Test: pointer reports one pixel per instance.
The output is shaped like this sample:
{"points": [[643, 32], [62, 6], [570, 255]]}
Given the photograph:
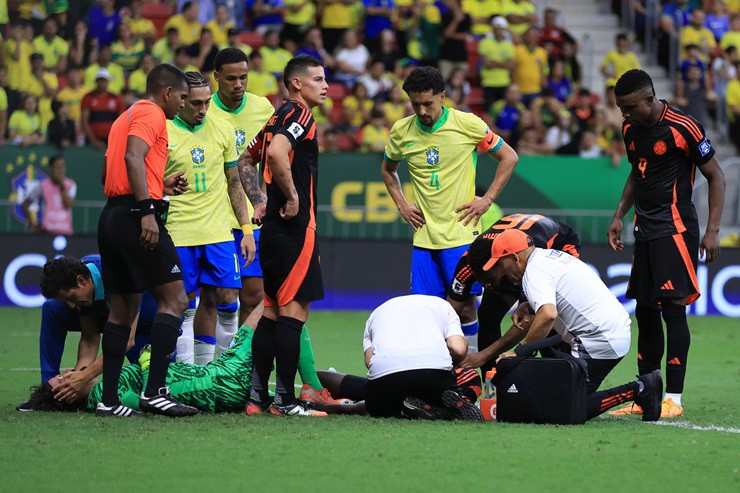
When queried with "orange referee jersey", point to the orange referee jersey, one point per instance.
{"points": [[146, 121]]}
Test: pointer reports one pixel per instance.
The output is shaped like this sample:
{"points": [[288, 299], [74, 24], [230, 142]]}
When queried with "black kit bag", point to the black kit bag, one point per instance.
{"points": [[546, 390]]}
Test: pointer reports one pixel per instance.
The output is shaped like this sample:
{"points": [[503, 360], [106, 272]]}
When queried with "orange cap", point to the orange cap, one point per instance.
{"points": [[506, 243]]}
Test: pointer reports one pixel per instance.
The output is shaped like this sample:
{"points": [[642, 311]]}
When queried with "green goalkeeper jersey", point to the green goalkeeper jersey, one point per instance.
{"points": [[220, 386]]}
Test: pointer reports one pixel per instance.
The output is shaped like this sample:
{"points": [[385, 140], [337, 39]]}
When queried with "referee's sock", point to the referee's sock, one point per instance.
{"points": [[263, 354], [165, 331], [307, 362], [186, 341], [227, 323], [650, 339], [679, 340], [114, 342], [287, 349]]}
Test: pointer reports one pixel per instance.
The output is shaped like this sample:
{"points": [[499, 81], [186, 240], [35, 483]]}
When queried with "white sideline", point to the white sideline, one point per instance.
{"points": [[690, 426]]}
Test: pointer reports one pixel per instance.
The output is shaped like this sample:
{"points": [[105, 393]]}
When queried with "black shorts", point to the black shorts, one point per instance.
{"points": [[665, 268], [384, 396], [290, 267], [127, 266]]}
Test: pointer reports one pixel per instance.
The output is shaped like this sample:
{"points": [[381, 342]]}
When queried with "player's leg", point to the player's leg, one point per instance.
{"points": [[227, 318], [646, 391], [426, 273], [251, 292], [204, 326], [449, 259], [147, 311], [288, 330], [190, 273], [56, 320], [116, 332]]}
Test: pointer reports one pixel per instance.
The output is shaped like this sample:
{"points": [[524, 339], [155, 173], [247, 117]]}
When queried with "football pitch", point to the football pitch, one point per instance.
{"points": [[79, 452]]}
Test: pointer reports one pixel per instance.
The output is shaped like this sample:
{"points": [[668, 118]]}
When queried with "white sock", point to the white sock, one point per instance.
{"points": [[227, 324], [472, 343], [676, 398], [186, 341], [204, 346]]}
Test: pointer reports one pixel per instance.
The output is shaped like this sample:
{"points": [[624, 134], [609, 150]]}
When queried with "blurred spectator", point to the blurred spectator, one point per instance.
{"points": [[732, 101], [693, 59], [584, 113], [3, 105], [612, 113], [558, 82], [322, 116], [268, 16], [560, 134], [206, 9], [374, 135], [619, 61], [104, 21], [546, 109], [530, 143], [723, 70], [25, 126], [72, 95], [357, 107], [299, 18], [235, 42], [186, 23], [260, 82], [456, 25], [609, 138], [675, 16], [128, 98], [220, 26], [404, 67], [330, 142], [732, 38], [335, 18], [521, 14], [387, 50], [458, 90], [507, 112], [62, 129], [424, 32], [352, 58], [32, 13], [274, 57], [115, 72], [375, 81], [18, 53], [42, 84], [55, 196], [696, 34], [530, 66], [553, 36], [182, 60], [203, 53], [52, 47], [127, 50], [164, 48], [589, 145], [83, 48], [481, 12], [137, 80], [693, 95], [717, 20], [395, 108], [313, 45], [141, 27], [497, 62], [378, 16], [100, 108], [571, 65]]}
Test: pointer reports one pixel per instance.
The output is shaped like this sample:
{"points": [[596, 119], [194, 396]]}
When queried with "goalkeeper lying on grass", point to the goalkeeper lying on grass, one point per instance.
{"points": [[220, 386]]}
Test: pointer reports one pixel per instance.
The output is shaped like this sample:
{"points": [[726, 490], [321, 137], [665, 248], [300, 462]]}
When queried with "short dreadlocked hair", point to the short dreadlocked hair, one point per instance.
{"points": [[61, 273], [196, 79], [479, 253], [424, 79], [632, 81]]}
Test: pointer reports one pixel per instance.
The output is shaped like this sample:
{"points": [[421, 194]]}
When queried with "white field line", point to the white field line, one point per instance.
{"points": [[690, 426]]}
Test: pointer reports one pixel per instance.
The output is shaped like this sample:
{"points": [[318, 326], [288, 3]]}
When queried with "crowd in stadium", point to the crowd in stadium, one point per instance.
{"points": [[66, 71]]}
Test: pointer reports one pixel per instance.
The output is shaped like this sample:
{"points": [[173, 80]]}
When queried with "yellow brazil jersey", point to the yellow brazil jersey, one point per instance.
{"points": [[442, 161], [3, 100], [140, 27], [336, 15], [619, 63], [116, 83], [318, 116], [703, 38], [481, 9], [128, 58], [393, 112], [220, 34], [26, 124], [275, 60], [732, 98], [189, 31], [73, 99], [202, 215], [35, 87], [20, 69], [730, 38], [137, 82], [352, 103], [304, 16], [52, 51], [373, 138], [495, 51], [524, 7], [247, 120], [162, 52], [528, 68], [262, 83]]}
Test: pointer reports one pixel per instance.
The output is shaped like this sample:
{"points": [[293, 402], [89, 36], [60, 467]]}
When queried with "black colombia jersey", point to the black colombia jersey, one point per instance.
{"points": [[664, 159], [295, 122]]}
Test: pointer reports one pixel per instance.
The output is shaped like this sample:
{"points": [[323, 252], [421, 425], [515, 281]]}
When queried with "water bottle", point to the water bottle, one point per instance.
{"points": [[488, 401]]}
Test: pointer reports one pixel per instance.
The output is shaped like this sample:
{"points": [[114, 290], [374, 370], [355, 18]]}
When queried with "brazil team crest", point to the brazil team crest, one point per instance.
{"points": [[240, 138], [198, 155], [433, 156]]}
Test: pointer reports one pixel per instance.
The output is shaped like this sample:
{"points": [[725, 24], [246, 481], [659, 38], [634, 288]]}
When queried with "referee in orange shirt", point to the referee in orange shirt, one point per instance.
{"points": [[136, 251]]}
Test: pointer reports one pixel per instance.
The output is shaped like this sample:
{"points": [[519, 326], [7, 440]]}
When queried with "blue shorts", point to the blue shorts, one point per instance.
{"points": [[214, 265], [254, 269], [432, 271]]}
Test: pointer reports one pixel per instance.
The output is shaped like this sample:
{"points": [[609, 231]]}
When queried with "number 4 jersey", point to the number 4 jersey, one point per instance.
{"points": [[664, 159]]}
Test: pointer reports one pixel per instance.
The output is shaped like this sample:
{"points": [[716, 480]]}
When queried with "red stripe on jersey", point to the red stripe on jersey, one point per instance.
{"points": [[551, 241], [624, 130], [288, 115], [687, 124], [684, 251], [305, 115], [665, 110], [677, 221], [680, 141]]}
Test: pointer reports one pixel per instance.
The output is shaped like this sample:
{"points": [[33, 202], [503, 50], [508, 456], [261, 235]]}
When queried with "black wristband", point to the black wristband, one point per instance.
{"points": [[144, 208]]}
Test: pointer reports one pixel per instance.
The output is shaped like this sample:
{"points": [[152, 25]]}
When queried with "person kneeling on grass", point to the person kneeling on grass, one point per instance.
{"points": [[566, 295], [220, 386]]}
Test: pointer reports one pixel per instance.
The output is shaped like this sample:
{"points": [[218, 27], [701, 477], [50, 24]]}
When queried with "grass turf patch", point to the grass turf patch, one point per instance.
{"points": [[53, 452]]}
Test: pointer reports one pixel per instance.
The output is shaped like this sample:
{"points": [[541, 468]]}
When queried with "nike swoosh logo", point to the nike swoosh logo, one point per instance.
{"points": [[409, 145]]}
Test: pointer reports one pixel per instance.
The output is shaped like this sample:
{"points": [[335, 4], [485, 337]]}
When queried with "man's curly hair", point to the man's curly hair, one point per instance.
{"points": [[424, 79], [61, 273], [42, 399]]}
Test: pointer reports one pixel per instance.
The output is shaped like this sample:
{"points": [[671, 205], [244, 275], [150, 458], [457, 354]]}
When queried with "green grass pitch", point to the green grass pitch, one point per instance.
{"points": [[79, 452]]}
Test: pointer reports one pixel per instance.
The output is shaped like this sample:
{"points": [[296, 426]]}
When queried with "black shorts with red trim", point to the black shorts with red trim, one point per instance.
{"points": [[290, 267], [665, 268]]}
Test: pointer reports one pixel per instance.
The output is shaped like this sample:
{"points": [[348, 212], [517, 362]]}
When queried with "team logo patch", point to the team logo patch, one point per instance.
{"points": [[240, 138], [705, 147], [433, 156], [632, 146], [198, 155], [296, 130], [659, 148]]}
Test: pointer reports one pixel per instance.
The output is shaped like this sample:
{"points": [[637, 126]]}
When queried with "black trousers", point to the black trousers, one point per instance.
{"points": [[384, 396]]}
